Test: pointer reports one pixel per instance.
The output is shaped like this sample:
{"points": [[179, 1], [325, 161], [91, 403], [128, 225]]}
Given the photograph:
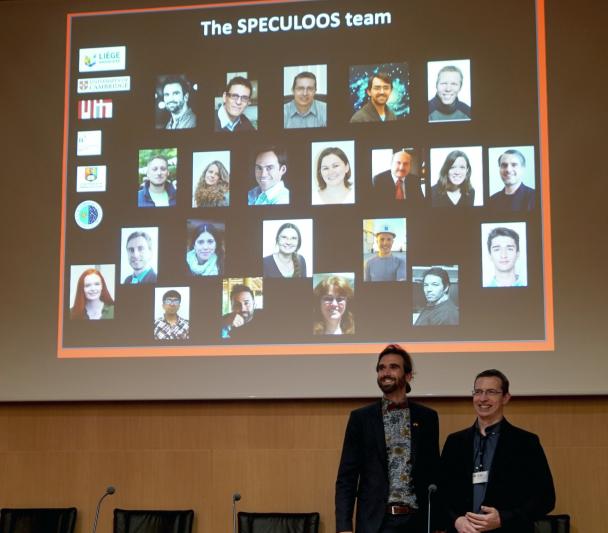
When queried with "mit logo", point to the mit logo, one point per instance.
{"points": [[88, 109]]}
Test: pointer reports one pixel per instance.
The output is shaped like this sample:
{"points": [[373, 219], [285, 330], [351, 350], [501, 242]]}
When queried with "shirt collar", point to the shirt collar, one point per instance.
{"points": [[225, 121], [312, 110]]}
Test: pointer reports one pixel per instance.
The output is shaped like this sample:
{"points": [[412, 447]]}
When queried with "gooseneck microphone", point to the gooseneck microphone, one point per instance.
{"points": [[235, 498], [109, 491], [431, 490]]}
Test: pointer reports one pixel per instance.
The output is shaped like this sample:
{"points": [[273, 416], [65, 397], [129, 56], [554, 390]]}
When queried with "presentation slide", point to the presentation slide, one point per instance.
{"points": [[267, 179]]}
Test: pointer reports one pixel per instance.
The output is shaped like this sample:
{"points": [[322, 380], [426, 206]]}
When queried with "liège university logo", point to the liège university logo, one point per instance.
{"points": [[101, 59]]}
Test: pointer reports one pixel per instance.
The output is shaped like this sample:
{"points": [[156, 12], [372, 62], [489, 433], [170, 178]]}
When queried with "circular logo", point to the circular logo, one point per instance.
{"points": [[88, 214]]}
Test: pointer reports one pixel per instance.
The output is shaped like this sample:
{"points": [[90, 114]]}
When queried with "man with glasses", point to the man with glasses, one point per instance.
{"points": [[494, 476], [231, 114], [379, 89], [385, 266], [270, 167], [304, 111], [390, 456], [171, 326]]}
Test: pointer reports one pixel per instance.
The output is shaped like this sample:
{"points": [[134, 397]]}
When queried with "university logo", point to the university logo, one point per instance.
{"points": [[88, 143], [103, 85], [100, 59], [91, 178], [88, 214], [88, 109]]}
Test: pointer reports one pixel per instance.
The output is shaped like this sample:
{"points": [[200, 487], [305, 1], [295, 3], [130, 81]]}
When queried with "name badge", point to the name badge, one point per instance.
{"points": [[480, 477]]}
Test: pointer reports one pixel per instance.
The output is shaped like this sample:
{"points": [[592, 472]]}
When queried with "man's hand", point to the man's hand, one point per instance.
{"points": [[487, 520], [463, 525], [237, 321]]}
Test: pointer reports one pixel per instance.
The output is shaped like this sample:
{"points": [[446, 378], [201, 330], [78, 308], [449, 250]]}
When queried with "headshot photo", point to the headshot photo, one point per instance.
{"points": [[237, 109], [449, 90], [138, 258], [269, 170], [333, 304], [435, 295], [171, 313], [457, 177], [396, 176], [512, 178], [211, 179], [504, 255], [205, 247], [287, 248], [242, 308], [333, 172], [157, 177], [305, 96], [92, 292], [384, 249], [379, 93], [174, 103]]}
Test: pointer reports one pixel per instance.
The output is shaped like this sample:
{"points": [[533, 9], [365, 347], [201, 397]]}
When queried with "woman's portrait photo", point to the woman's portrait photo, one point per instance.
{"points": [[91, 292], [333, 180], [334, 294], [286, 246], [205, 255], [211, 179], [456, 177]]}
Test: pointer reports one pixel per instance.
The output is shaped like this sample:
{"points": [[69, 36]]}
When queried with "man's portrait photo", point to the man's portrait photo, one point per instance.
{"points": [[157, 177], [504, 257], [333, 172], [211, 179], [379, 93], [396, 176], [511, 178], [174, 103], [242, 308], [449, 90], [384, 249], [435, 295], [138, 255], [269, 170], [171, 313], [457, 176], [305, 96], [236, 109]]}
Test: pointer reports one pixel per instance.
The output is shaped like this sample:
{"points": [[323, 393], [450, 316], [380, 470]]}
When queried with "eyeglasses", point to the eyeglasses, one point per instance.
{"points": [[172, 301], [487, 392], [303, 90], [238, 98], [328, 300]]}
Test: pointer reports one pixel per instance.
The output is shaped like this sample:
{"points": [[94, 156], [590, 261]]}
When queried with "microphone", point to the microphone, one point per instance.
{"points": [[235, 498], [109, 491], [431, 490]]}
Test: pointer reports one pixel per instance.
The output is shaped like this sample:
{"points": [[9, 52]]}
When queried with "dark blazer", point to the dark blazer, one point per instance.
{"points": [[363, 471], [520, 485], [384, 188]]}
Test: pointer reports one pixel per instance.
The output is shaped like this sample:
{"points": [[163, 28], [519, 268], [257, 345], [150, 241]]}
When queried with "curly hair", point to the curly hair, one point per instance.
{"points": [[212, 195]]}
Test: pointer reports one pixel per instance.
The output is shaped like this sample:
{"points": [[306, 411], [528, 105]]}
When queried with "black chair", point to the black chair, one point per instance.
{"points": [[278, 522], [148, 521], [59, 520], [557, 523]]}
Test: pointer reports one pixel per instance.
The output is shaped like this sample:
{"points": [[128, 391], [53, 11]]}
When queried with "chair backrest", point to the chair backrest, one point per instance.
{"points": [[58, 520], [152, 521], [278, 522], [557, 523]]}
